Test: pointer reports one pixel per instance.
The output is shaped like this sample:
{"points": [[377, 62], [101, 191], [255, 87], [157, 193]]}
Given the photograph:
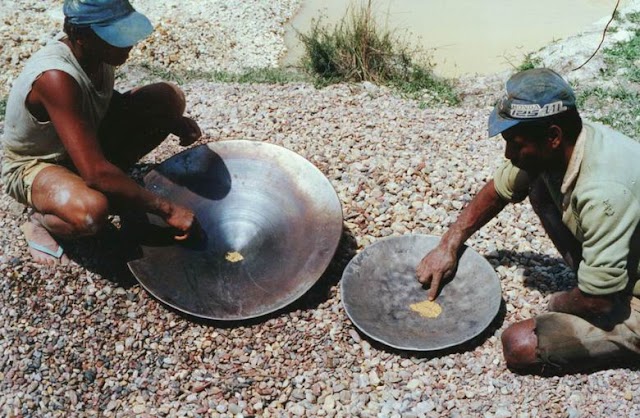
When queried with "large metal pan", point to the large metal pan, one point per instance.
{"points": [[272, 222], [379, 286]]}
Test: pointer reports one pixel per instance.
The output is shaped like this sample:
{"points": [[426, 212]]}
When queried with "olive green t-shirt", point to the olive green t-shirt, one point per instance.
{"points": [[599, 198]]}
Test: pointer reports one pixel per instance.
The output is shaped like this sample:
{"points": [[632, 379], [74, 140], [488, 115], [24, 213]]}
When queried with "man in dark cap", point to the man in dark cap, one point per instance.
{"points": [[69, 135], [583, 181]]}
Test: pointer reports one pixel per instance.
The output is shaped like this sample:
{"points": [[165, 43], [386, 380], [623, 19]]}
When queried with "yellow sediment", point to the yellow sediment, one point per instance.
{"points": [[234, 257], [427, 309]]}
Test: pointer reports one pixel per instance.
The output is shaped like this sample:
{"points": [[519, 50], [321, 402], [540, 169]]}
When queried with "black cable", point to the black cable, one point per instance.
{"points": [[604, 32]]}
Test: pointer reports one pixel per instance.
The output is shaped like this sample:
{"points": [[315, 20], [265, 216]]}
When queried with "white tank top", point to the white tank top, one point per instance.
{"points": [[25, 137]]}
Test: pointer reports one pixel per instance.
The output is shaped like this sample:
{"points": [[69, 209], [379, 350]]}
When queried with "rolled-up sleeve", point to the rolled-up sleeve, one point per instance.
{"points": [[608, 214], [511, 183]]}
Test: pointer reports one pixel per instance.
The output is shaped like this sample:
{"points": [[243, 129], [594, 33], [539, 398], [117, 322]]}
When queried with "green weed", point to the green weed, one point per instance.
{"points": [[358, 49], [624, 55], [619, 107], [257, 76], [529, 62], [157, 72], [3, 108]]}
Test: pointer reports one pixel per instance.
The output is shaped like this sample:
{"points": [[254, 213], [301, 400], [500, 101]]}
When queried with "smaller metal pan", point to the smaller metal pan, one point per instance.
{"points": [[379, 285]]}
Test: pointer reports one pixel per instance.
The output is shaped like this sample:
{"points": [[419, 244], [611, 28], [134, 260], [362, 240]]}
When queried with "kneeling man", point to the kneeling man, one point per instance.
{"points": [[583, 181]]}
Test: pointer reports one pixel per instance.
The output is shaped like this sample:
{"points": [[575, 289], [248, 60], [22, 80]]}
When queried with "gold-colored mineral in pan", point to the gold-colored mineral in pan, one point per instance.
{"points": [[233, 257], [427, 309]]}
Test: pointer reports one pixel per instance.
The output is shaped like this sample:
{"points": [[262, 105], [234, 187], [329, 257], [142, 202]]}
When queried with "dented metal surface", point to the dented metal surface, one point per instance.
{"points": [[379, 286]]}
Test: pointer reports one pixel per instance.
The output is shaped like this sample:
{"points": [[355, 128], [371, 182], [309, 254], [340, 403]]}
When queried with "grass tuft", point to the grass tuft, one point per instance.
{"points": [[257, 76], [530, 62], [357, 49], [619, 106], [3, 108]]}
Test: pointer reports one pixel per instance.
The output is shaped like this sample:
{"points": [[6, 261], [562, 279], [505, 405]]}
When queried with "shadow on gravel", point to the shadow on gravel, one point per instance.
{"points": [[319, 293], [461, 348], [628, 362], [105, 254], [108, 253], [541, 272]]}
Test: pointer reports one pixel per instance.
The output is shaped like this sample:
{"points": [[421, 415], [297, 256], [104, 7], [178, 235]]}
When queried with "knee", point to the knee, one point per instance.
{"points": [[519, 343], [171, 96], [88, 213]]}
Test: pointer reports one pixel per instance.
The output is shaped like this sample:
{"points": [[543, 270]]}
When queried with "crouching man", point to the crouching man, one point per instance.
{"points": [[69, 135]]}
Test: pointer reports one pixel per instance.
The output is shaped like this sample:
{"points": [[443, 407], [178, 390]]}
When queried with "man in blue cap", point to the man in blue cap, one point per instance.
{"points": [[583, 181], [69, 135]]}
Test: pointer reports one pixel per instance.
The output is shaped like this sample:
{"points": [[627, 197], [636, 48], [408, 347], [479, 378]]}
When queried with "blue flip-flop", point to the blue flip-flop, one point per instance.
{"points": [[57, 254]]}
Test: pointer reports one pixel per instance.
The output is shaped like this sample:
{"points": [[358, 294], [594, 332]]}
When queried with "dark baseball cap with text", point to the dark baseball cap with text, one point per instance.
{"points": [[532, 95]]}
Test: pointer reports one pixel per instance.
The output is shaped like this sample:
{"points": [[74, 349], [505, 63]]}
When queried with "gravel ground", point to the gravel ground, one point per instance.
{"points": [[86, 340]]}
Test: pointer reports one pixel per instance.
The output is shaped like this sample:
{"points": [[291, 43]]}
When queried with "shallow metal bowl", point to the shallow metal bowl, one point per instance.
{"points": [[379, 285], [272, 222]]}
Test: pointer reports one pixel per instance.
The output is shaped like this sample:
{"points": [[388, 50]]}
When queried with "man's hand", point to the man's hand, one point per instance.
{"points": [[187, 130], [437, 265], [442, 262], [184, 221]]}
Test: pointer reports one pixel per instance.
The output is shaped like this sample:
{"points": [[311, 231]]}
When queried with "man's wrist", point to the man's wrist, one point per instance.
{"points": [[451, 241], [162, 207]]}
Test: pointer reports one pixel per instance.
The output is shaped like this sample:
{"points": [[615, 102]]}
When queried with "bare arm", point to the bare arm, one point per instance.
{"points": [[60, 96], [442, 261]]}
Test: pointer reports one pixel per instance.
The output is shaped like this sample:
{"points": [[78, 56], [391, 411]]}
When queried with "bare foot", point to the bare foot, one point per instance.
{"points": [[38, 237]]}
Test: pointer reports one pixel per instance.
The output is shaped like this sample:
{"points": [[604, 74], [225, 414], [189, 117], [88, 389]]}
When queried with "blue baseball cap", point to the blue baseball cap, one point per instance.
{"points": [[531, 95], [115, 21]]}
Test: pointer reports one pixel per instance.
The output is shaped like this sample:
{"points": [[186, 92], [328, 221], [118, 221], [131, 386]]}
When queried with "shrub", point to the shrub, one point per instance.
{"points": [[357, 49], [529, 62]]}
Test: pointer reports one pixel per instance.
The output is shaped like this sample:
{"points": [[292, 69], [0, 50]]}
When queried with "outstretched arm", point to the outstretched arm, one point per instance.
{"points": [[442, 261]]}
